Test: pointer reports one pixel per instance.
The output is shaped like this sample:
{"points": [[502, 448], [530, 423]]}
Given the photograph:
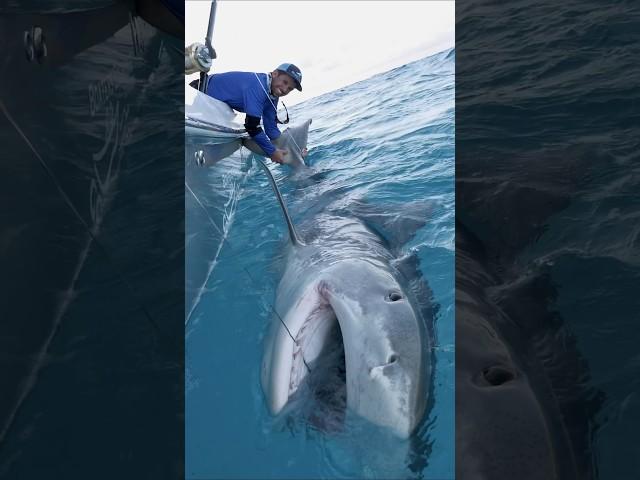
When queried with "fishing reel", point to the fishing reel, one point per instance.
{"points": [[198, 58]]}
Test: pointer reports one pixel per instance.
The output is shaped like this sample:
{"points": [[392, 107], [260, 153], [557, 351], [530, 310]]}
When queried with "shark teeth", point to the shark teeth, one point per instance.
{"points": [[314, 323]]}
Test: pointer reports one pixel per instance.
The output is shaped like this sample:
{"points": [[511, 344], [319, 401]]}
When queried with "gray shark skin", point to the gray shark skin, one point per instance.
{"points": [[293, 140], [344, 272]]}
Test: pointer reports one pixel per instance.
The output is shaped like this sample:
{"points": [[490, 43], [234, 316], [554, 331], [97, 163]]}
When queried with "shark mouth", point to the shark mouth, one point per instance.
{"points": [[318, 370]]}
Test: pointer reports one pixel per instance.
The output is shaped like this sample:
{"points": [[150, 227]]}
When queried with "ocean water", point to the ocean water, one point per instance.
{"points": [[388, 139], [547, 175]]}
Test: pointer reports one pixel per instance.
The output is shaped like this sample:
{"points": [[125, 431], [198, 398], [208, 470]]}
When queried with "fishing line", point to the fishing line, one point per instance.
{"points": [[273, 310], [203, 207], [255, 283]]}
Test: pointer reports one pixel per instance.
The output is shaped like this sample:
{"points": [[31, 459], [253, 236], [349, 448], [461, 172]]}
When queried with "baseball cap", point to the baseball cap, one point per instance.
{"points": [[294, 72]]}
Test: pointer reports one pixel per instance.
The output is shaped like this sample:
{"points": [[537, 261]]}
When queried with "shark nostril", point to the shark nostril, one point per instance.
{"points": [[498, 375], [381, 368], [394, 297]]}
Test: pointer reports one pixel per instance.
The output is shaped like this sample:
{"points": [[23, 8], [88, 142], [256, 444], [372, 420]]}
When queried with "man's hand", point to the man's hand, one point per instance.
{"points": [[304, 152], [278, 155]]}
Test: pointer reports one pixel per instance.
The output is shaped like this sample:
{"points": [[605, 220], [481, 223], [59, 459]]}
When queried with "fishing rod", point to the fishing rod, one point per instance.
{"points": [[199, 57], [208, 43]]}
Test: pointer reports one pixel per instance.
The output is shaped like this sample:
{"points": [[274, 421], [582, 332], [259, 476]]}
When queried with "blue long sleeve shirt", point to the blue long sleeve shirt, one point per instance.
{"points": [[245, 93]]}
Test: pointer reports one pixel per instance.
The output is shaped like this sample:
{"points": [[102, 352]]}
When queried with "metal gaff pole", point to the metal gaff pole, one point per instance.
{"points": [[208, 42]]}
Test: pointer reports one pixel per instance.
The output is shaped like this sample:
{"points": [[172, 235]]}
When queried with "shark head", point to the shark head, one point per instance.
{"points": [[351, 272], [384, 344]]}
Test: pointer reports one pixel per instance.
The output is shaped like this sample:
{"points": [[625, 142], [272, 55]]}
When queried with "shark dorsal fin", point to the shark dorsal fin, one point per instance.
{"points": [[396, 222]]}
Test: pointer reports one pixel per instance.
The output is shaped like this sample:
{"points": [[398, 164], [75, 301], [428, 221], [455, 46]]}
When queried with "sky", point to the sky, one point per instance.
{"points": [[334, 43]]}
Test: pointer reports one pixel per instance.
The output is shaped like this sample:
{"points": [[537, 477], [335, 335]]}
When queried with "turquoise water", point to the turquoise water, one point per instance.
{"points": [[388, 139]]}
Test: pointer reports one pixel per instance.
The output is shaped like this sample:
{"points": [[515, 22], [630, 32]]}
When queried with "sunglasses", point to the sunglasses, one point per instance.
{"points": [[282, 122]]}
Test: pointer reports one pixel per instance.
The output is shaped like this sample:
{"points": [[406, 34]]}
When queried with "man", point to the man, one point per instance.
{"points": [[257, 94]]}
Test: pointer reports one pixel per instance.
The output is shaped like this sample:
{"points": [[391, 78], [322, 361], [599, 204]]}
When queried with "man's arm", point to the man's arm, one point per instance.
{"points": [[252, 124], [254, 99]]}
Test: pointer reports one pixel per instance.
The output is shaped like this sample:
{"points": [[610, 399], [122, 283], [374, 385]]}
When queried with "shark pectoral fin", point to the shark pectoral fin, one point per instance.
{"points": [[396, 222]]}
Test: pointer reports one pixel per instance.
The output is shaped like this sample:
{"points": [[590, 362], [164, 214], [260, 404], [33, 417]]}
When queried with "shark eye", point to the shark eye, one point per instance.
{"points": [[393, 297]]}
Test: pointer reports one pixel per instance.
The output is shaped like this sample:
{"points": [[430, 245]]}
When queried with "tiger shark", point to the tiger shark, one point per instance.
{"points": [[345, 270]]}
